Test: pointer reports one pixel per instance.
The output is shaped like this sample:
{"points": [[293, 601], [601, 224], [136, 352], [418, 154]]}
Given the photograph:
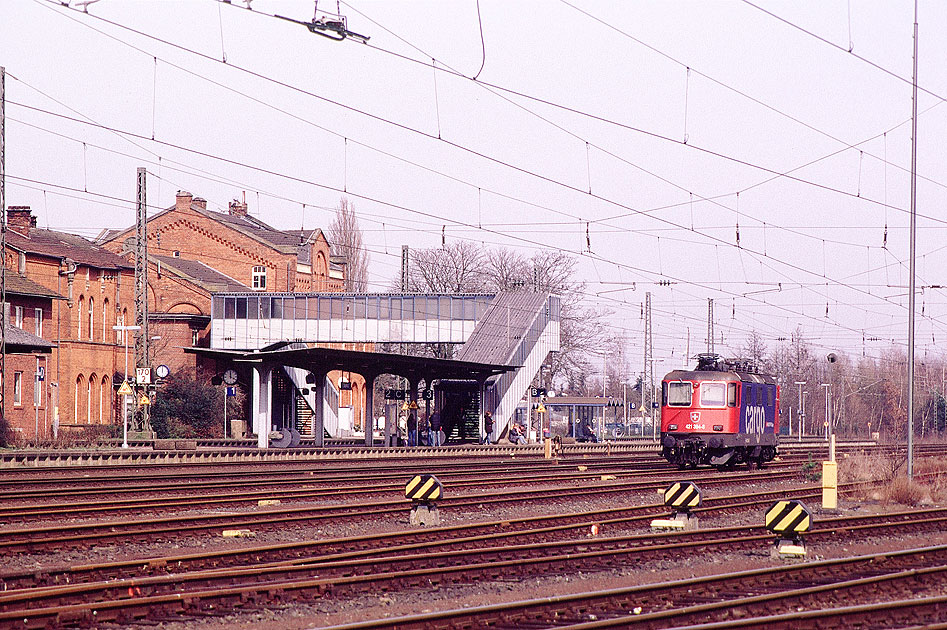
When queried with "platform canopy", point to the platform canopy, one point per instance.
{"points": [[320, 359]]}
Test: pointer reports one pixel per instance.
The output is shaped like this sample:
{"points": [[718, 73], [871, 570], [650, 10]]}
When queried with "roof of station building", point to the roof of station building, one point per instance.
{"points": [[200, 274]]}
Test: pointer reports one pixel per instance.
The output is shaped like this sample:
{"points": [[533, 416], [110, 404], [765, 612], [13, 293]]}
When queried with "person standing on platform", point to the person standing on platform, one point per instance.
{"points": [[435, 435], [412, 430], [424, 431], [487, 427]]}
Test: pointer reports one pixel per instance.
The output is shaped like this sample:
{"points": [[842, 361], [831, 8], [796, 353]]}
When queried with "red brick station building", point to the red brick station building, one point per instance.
{"points": [[64, 361]]}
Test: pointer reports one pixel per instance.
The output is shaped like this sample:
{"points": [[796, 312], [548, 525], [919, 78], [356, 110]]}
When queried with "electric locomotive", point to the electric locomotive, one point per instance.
{"points": [[722, 413]]}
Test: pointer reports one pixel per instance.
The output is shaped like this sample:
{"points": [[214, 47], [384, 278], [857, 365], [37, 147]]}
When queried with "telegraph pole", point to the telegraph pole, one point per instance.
{"points": [[647, 386], [911, 282], [404, 268], [141, 287], [710, 325], [3, 249]]}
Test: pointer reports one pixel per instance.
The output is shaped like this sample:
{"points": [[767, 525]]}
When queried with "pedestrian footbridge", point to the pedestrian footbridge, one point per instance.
{"points": [[501, 339]]}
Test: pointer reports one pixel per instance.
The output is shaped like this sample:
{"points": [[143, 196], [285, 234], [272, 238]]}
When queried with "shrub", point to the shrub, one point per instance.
{"points": [[905, 491], [864, 467], [810, 470], [186, 408]]}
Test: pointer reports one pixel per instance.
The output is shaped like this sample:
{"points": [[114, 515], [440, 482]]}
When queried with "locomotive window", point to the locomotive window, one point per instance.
{"points": [[713, 394], [769, 396], [679, 394], [731, 394]]}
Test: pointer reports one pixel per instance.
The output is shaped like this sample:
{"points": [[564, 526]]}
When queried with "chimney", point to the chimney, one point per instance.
{"points": [[20, 218], [239, 208], [183, 200], [200, 202]]}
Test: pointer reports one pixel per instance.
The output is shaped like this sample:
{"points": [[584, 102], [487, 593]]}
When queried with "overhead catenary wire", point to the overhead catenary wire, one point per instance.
{"points": [[401, 207], [635, 211]]}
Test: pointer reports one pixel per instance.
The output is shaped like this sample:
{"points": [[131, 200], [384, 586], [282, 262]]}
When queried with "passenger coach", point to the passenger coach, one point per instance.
{"points": [[721, 414]]}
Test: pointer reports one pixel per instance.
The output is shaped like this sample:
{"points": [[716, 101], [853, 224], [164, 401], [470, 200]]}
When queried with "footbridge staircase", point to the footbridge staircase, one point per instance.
{"points": [[518, 329]]}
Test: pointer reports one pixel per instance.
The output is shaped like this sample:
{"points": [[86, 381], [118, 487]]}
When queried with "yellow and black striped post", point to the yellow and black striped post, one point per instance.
{"points": [[681, 497], [788, 519], [423, 488], [424, 491]]}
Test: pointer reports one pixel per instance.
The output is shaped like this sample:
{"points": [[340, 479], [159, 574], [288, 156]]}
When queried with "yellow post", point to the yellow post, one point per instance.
{"points": [[548, 445], [829, 485]]}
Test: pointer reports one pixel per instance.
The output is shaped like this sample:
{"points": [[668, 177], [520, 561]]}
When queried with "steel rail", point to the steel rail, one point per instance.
{"points": [[340, 576], [546, 528], [689, 601], [19, 513], [78, 534]]}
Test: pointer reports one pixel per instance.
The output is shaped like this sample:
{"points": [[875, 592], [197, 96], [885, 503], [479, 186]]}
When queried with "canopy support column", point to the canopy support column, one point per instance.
{"points": [[261, 403]]}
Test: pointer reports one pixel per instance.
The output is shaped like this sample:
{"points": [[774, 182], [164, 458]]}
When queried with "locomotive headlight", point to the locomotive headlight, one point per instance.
{"points": [[672, 427], [718, 427]]}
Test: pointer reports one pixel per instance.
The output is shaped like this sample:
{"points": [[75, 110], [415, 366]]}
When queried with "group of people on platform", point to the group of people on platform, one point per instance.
{"points": [[415, 431], [420, 432]]}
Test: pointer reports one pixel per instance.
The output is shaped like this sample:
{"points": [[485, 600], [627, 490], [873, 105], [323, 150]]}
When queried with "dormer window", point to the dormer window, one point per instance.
{"points": [[176, 253], [258, 278]]}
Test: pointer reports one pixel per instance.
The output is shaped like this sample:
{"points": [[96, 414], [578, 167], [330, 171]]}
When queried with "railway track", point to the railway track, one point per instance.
{"points": [[210, 454], [187, 500], [886, 590], [391, 568], [80, 534]]}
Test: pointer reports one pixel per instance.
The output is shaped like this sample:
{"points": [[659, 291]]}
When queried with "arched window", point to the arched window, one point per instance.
{"points": [[120, 334], [322, 271], [105, 320], [90, 399], [105, 400], [80, 306], [91, 317], [80, 389]]}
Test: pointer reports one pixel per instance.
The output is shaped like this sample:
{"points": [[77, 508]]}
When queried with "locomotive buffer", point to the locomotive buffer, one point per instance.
{"points": [[681, 497], [424, 491]]}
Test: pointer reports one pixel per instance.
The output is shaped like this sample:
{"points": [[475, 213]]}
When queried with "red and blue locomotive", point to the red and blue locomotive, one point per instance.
{"points": [[722, 413]]}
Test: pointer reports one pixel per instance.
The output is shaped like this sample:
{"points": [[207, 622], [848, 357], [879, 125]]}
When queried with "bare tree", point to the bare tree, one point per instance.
{"points": [[454, 268], [345, 239], [754, 350], [583, 329], [465, 267]]}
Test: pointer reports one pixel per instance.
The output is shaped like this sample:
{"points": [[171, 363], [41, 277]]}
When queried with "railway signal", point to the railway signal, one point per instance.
{"points": [[681, 497], [788, 520], [424, 491]]}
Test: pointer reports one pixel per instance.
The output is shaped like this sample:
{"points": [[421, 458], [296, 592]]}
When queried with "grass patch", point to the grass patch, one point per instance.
{"points": [[905, 491], [888, 479]]}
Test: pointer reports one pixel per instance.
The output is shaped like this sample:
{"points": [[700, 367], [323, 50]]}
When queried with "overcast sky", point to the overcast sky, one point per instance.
{"points": [[641, 137]]}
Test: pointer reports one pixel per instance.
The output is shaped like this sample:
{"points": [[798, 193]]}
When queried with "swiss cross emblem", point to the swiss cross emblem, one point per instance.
{"points": [[695, 416]]}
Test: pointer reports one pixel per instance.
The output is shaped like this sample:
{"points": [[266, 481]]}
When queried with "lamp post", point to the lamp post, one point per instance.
{"points": [[801, 422], [804, 396], [828, 410], [125, 330]]}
